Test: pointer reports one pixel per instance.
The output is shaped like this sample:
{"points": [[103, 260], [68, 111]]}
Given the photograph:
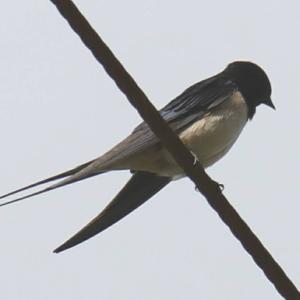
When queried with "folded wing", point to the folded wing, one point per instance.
{"points": [[140, 188]]}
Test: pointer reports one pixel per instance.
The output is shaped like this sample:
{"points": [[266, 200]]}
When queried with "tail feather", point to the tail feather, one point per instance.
{"points": [[52, 178], [79, 173], [27, 196], [138, 190]]}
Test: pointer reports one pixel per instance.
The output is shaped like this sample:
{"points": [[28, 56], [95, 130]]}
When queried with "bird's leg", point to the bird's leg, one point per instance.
{"points": [[220, 185], [195, 158]]}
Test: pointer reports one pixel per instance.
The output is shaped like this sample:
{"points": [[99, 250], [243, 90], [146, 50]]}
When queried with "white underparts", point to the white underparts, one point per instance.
{"points": [[211, 137], [208, 139]]}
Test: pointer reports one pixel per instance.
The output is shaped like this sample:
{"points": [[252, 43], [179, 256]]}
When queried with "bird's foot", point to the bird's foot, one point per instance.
{"points": [[195, 158], [220, 185]]}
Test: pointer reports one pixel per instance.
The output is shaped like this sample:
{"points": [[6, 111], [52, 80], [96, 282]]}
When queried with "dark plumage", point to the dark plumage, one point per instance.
{"points": [[252, 82]]}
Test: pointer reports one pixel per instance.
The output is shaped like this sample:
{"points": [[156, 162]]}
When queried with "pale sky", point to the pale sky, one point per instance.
{"points": [[59, 109]]}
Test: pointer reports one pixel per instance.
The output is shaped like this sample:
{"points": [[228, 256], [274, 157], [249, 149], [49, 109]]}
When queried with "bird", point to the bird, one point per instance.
{"points": [[208, 117]]}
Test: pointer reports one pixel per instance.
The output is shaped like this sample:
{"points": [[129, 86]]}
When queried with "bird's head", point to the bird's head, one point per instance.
{"points": [[252, 82]]}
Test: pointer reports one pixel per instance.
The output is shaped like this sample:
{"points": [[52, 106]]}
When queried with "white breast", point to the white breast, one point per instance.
{"points": [[211, 137]]}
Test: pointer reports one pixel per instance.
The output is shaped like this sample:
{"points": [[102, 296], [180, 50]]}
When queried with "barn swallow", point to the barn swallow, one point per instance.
{"points": [[208, 117]]}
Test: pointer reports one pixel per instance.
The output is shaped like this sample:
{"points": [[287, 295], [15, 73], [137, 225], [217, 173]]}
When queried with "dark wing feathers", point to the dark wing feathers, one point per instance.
{"points": [[188, 107], [139, 189], [195, 101], [198, 98]]}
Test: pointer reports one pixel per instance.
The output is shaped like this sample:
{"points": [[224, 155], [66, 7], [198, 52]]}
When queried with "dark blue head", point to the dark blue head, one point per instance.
{"points": [[252, 82]]}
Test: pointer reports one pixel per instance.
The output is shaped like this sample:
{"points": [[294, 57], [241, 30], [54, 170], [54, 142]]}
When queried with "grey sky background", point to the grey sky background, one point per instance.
{"points": [[58, 109]]}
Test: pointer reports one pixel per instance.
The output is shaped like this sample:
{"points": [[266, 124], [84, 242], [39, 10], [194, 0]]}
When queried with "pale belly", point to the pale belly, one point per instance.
{"points": [[209, 139]]}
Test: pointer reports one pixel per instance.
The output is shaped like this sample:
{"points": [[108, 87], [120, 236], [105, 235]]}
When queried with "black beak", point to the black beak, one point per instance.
{"points": [[269, 103]]}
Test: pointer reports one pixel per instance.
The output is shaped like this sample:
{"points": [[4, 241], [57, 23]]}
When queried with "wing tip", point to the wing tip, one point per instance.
{"points": [[60, 249], [73, 241], [65, 246], [127, 200]]}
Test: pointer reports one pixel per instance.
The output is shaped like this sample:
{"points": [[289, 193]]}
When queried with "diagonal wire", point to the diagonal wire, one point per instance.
{"points": [[185, 160]]}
